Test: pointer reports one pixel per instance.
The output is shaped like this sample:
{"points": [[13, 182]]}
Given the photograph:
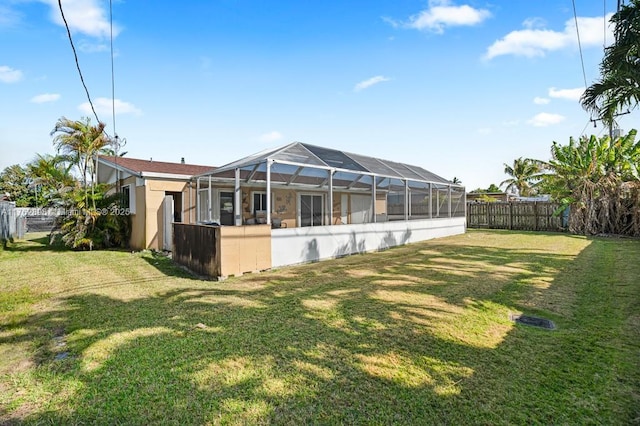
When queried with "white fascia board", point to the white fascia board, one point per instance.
{"points": [[165, 176]]}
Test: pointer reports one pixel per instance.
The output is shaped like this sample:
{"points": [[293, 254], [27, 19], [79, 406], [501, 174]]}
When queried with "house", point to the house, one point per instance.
{"points": [[488, 196], [156, 193], [302, 203]]}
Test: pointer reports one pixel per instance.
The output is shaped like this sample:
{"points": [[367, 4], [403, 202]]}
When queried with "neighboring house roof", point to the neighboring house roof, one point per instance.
{"points": [[316, 157], [150, 168]]}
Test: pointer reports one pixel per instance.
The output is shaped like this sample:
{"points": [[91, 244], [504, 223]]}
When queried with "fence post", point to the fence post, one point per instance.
{"points": [[510, 215], [535, 215]]}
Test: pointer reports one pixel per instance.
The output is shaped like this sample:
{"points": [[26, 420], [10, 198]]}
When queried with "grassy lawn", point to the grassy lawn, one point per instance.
{"points": [[418, 334]]}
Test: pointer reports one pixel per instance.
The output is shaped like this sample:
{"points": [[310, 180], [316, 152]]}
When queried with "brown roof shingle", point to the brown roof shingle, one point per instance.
{"points": [[141, 166]]}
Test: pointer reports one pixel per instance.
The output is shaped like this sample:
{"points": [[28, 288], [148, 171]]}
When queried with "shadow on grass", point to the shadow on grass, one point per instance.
{"points": [[415, 335], [164, 264], [35, 242]]}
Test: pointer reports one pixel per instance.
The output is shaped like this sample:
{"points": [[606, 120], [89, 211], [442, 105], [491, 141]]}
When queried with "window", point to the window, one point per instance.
{"points": [[126, 194], [311, 210], [259, 202], [128, 199]]}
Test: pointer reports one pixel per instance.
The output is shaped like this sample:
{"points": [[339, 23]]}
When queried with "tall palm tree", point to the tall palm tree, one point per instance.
{"points": [[524, 173], [619, 85], [81, 141]]}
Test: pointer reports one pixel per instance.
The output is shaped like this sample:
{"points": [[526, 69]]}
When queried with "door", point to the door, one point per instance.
{"points": [[167, 216], [344, 208], [226, 208], [360, 208], [311, 211]]}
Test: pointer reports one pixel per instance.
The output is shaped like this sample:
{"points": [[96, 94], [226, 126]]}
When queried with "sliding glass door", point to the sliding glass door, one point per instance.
{"points": [[311, 210]]}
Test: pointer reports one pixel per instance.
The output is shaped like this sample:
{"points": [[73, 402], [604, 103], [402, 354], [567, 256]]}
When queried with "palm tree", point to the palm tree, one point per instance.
{"points": [[52, 174], [524, 173], [619, 85], [81, 141], [90, 223]]}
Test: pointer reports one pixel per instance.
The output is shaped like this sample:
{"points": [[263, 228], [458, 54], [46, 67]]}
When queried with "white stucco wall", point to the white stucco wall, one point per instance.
{"points": [[291, 246]]}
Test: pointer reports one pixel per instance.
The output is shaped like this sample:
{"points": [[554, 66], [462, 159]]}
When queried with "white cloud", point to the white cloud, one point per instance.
{"points": [[441, 14], [485, 130], [545, 119], [511, 123], [271, 136], [45, 97], [540, 101], [93, 47], [9, 75], [103, 106], [84, 16], [534, 41], [533, 23], [370, 82], [568, 94], [8, 17]]}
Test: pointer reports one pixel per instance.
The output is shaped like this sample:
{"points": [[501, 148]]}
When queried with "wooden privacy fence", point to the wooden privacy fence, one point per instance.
{"points": [[197, 248], [222, 251], [517, 215]]}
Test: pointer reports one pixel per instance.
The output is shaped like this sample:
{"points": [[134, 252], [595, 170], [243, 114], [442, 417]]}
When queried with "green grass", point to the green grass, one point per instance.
{"points": [[418, 334]]}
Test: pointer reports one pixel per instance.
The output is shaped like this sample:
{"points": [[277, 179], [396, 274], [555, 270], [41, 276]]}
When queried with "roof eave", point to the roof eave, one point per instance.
{"points": [[173, 176], [119, 167]]}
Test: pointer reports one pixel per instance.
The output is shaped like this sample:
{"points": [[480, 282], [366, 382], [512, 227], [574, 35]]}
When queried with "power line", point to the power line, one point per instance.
{"points": [[575, 17], [115, 142], [604, 24], [585, 126], [75, 55], [113, 84], [615, 40]]}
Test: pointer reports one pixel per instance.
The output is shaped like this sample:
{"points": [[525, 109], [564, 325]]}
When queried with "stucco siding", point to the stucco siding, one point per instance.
{"points": [[299, 245]]}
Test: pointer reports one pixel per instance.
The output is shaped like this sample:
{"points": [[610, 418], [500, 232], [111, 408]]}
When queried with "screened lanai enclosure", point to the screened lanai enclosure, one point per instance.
{"points": [[302, 203], [303, 185]]}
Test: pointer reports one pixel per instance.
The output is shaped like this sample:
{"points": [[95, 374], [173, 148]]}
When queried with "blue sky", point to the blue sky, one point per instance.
{"points": [[457, 87]]}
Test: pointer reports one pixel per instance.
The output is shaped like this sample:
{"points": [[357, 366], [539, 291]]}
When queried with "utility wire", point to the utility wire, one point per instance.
{"points": [[113, 84], [585, 127], [604, 24], [116, 141], [575, 17], [75, 55]]}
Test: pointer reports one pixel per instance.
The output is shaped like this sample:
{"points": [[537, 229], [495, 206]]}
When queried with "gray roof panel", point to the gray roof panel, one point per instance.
{"points": [[335, 158], [320, 157]]}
